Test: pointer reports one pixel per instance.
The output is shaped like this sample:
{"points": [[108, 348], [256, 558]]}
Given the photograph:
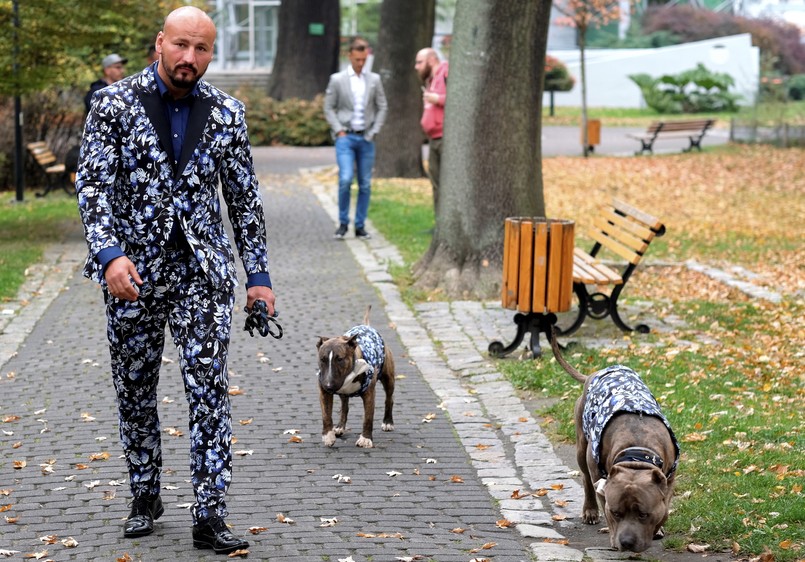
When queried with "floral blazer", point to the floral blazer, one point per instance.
{"points": [[131, 191]]}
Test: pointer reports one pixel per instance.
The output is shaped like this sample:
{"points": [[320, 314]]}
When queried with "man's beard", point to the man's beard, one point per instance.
{"points": [[183, 83]]}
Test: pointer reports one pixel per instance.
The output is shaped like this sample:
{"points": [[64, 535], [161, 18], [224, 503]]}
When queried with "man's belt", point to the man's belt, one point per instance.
{"points": [[354, 132]]}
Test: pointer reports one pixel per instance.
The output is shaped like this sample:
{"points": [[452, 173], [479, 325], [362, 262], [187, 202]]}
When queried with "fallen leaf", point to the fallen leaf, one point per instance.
{"points": [[242, 553], [99, 456], [167, 400], [6, 507], [91, 484], [458, 530], [235, 391], [295, 439], [282, 519], [87, 417], [342, 479], [328, 521], [559, 517], [12, 520], [257, 530], [456, 479], [80, 466], [243, 453], [9, 419], [698, 548], [69, 542], [8, 553], [557, 486], [36, 555], [125, 558], [393, 473], [19, 464], [109, 495], [347, 559], [246, 422], [503, 523], [482, 447]]}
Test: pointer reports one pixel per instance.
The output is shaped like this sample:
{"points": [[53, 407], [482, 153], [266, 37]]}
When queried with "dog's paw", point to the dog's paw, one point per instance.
{"points": [[339, 431], [590, 516], [328, 438], [364, 442], [387, 427]]}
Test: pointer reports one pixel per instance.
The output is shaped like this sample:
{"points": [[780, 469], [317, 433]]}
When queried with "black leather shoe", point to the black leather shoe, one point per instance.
{"points": [[144, 510], [213, 533]]}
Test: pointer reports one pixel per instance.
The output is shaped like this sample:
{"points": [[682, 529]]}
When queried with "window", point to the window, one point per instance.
{"points": [[247, 34]]}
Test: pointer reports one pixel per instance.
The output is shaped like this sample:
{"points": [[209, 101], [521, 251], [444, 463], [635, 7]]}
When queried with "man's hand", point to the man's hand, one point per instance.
{"points": [[263, 294], [119, 276], [431, 97]]}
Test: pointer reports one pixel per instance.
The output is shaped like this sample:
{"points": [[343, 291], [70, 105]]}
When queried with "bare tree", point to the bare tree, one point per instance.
{"points": [[405, 27], [491, 167], [307, 48]]}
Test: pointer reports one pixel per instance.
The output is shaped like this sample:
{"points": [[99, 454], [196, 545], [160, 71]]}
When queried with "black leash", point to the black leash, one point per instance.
{"points": [[258, 319]]}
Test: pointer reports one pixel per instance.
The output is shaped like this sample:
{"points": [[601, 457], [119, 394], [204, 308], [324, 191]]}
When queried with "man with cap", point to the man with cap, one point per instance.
{"points": [[113, 70]]}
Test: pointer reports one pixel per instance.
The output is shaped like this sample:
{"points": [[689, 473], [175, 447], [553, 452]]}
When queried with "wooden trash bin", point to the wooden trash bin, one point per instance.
{"points": [[537, 278], [537, 265]]}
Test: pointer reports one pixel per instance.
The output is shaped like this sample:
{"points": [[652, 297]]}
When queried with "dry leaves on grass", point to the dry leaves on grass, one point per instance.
{"points": [[713, 199]]}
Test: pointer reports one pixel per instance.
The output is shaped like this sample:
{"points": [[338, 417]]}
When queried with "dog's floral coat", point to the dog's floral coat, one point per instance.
{"points": [[373, 350], [614, 390]]}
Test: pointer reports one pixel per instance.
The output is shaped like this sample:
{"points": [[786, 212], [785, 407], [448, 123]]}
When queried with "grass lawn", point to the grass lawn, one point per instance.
{"points": [[792, 113], [26, 228], [732, 382]]}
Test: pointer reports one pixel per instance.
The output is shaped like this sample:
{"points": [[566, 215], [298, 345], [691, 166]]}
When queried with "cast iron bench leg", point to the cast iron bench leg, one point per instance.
{"points": [[531, 322], [583, 297]]}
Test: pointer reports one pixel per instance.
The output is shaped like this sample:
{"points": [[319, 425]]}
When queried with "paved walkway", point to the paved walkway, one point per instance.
{"points": [[434, 488]]}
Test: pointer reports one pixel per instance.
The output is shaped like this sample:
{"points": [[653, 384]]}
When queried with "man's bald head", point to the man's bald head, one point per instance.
{"points": [[185, 46], [426, 60]]}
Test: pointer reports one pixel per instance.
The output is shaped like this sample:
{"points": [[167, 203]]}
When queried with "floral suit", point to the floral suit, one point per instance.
{"points": [[132, 190]]}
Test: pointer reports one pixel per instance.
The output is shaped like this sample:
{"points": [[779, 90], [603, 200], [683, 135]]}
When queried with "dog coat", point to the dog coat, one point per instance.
{"points": [[614, 390], [373, 351]]}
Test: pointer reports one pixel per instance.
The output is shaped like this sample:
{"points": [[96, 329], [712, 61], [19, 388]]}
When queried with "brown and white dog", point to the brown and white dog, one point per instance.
{"points": [[627, 447], [351, 365]]}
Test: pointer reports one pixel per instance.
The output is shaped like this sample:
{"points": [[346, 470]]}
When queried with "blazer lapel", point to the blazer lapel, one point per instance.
{"points": [[196, 123], [156, 114]]}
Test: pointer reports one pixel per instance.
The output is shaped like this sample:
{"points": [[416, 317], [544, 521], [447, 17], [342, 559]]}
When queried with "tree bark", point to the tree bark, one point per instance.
{"points": [[406, 26], [491, 165], [304, 62]]}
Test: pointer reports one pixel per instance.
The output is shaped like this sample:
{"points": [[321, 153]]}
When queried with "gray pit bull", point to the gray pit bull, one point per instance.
{"points": [[350, 365], [627, 447]]}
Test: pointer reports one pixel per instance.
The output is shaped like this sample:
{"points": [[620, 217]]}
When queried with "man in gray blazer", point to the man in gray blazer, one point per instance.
{"points": [[355, 106]]}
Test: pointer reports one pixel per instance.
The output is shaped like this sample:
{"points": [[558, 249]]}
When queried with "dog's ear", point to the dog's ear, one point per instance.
{"points": [[660, 480], [322, 339], [353, 341]]}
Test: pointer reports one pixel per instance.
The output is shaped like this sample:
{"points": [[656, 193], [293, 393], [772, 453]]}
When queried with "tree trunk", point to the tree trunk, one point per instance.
{"points": [[306, 54], [406, 26], [491, 166]]}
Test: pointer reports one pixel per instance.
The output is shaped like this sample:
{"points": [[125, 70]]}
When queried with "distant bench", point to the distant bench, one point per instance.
{"points": [[693, 130], [56, 174]]}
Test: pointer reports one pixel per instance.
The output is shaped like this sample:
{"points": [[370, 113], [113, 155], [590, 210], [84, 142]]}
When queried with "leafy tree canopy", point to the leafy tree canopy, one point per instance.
{"points": [[61, 44]]}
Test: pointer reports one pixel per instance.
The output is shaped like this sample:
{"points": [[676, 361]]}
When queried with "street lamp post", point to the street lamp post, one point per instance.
{"points": [[18, 154]]}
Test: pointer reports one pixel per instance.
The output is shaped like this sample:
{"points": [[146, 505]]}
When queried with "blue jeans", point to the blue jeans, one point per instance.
{"points": [[351, 152]]}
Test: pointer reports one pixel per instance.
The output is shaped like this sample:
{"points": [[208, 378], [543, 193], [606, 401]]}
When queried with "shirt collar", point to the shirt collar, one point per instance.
{"points": [[351, 72]]}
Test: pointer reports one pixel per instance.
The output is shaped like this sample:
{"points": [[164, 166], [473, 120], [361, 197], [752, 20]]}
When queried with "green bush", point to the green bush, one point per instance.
{"points": [[693, 91], [289, 122], [796, 87], [557, 78]]}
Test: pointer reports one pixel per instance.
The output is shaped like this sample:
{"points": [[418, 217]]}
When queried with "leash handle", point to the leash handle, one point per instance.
{"points": [[258, 319]]}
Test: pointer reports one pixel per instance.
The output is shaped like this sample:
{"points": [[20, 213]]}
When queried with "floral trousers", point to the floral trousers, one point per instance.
{"points": [[200, 318]]}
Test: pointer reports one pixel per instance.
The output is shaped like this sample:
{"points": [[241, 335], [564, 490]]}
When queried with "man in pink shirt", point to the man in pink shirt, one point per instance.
{"points": [[433, 74]]}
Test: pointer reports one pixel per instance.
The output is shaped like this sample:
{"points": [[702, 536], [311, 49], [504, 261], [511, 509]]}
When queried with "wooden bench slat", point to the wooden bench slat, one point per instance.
{"points": [[649, 220], [586, 267], [621, 235], [616, 247]]}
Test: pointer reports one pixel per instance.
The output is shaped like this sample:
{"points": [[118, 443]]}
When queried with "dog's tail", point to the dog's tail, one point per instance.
{"points": [[561, 360], [366, 315]]}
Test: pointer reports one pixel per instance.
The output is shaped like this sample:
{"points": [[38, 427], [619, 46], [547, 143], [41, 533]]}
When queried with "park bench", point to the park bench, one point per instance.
{"points": [[626, 232], [693, 129], [55, 173]]}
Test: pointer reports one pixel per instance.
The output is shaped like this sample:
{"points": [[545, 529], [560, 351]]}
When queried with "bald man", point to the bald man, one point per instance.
{"points": [[155, 147], [433, 74]]}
